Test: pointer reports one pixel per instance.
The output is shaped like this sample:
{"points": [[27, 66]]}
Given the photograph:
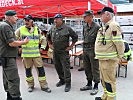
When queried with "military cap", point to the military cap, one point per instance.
{"points": [[28, 17], [106, 9], [58, 16], [10, 13], [88, 12]]}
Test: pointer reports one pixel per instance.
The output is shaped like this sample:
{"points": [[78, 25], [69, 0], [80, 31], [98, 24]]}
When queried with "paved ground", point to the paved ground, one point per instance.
{"points": [[124, 86]]}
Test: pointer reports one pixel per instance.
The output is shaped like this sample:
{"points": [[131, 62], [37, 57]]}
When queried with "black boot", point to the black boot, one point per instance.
{"points": [[9, 97], [98, 98], [95, 85], [89, 83], [81, 69], [47, 89], [87, 87], [67, 87], [95, 89], [60, 83]]}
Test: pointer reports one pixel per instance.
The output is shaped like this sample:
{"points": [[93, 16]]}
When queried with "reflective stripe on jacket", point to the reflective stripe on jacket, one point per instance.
{"points": [[32, 48]]}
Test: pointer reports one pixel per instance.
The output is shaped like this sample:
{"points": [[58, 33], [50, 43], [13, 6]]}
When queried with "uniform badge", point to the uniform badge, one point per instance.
{"points": [[114, 33]]}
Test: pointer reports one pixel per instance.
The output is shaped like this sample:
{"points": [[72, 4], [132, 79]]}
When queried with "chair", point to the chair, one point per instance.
{"points": [[122, 64], [77, 55], [44, 55]]}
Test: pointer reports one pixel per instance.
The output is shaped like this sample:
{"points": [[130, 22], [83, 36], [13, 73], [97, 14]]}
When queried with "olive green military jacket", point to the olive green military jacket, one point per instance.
{"points": [[60, 37], [7, 36], [90, 32]]}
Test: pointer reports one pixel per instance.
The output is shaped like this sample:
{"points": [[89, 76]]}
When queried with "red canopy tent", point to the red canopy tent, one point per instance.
{"points": [[48, 8]]}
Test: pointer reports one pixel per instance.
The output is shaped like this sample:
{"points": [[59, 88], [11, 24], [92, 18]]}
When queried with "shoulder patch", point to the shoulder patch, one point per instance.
{"points": [[114, 33]]}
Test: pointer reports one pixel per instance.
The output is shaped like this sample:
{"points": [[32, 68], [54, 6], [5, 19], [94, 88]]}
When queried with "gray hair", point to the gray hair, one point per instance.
{"points": [[110, 14], [6, 17]]}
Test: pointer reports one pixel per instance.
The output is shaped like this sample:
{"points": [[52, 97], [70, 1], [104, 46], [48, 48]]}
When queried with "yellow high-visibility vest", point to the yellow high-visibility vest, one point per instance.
{"points": [[31, 49]]}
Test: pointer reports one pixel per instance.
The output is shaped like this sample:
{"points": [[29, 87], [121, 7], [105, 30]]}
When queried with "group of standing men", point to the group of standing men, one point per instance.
{"points": [[103, 48]]}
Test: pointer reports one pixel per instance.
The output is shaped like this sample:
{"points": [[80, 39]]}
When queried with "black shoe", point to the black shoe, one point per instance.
{"points": [[81, 69], [94, 91], [46, 90], [30, 89], [17, 98], [9, 97], [86, 88], [60, 83], [98, 98], [71, 67], [67, 87]]}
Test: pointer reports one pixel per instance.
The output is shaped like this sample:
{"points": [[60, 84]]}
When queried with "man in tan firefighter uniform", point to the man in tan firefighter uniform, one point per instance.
{"points": [[31, 54], [109, 49]]}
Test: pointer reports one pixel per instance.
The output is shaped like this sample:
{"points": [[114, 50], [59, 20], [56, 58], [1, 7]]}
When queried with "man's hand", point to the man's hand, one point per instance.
{"points": [[69, 48], [19, 43], [51, 46], [26, 40], [122, 60]]}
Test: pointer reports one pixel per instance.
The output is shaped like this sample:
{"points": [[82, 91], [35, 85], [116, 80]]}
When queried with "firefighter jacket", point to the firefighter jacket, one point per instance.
{"points": [[109, 43]]}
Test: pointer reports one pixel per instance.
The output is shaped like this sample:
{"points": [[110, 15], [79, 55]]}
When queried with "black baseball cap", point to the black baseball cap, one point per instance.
{"points": [[58, 16], [28, 17], [88, 12], [106, 9], [10, 13]]}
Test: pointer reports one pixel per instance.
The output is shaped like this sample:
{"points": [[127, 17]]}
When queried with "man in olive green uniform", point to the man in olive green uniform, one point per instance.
{"points": [[109, 49], [31, 54], [91, 65], [8, 54], [58, 38]]}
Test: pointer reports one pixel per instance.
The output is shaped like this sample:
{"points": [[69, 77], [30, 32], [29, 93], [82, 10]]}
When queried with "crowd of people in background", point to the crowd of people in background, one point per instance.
{"points": [[103, 49]]}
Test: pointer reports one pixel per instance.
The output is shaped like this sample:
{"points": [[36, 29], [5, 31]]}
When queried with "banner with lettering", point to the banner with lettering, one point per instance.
{"points": [[8, 3]]}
